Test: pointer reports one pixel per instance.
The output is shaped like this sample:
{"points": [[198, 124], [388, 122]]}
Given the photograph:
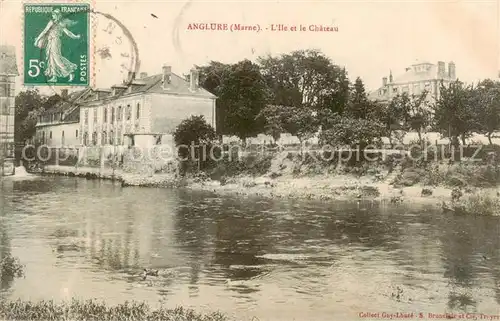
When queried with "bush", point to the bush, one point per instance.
{"points": [[477, 204], [370, 191], [426, 192], [11, 268]]}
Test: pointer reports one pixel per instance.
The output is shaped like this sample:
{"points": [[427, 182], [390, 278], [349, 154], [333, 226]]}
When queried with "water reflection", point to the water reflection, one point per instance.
{"points": [[236, 254]]}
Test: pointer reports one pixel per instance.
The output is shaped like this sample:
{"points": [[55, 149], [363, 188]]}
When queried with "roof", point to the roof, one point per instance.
{"points": [[70, 106], [412, 75], [177, 86], [152, 84], [8, 64]]}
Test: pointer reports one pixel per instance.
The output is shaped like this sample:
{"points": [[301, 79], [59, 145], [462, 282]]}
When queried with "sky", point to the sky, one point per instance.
{"points": [[373, 38]]}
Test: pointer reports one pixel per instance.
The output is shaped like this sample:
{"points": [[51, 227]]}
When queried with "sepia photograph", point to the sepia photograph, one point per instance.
{"points": [[202, 160]]}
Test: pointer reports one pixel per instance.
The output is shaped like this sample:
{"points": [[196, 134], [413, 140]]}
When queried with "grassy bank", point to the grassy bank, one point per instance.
{"points": [[97, 311], [292, 175]]}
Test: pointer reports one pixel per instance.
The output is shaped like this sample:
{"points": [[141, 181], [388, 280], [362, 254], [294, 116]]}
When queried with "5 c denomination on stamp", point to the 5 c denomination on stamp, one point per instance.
{"points": [[56, 44]]}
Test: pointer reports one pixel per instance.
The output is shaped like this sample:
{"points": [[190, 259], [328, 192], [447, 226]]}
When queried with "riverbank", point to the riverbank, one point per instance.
{"points": [[94, 310], [126, 179], [281, 180]]}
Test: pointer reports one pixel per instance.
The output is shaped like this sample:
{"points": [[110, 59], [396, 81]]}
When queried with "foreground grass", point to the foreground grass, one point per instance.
{"points": [[97, 311]]}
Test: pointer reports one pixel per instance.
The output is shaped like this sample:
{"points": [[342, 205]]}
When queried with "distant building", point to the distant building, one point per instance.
{"points": [[417, 78], [8, 74], [140, 112]]}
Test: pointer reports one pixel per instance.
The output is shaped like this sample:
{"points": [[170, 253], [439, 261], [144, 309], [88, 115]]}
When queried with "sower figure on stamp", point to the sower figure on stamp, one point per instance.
{"points": [[57, 66]]}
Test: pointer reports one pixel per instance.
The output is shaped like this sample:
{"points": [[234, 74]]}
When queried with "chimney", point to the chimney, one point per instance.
{"points": [[194, 79], [166, 71], [441, 69], [143, 75], [130, 77], [64, 93], [384, 81], [452, 73]]}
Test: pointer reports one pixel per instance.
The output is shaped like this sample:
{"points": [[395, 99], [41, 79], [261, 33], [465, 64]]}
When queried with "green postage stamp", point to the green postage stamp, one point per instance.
{"points": [[56, 44]]}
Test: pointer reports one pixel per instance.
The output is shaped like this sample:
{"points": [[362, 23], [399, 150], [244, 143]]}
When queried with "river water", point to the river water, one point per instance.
{"points": [[247, 257]]}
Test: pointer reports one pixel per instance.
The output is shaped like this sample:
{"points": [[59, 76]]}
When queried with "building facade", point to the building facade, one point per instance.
{"points": [[417, 78], [8, 74], [142, 111]]}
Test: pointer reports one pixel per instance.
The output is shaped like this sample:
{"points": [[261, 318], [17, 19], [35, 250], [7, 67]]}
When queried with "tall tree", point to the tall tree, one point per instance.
{"points": [[454, 114], [243, 94], [418, 114], [352, 132], [408, 113], [359, 106], [487, 107], [29, 105], [212, 79], [297, 121], [306, 78]]}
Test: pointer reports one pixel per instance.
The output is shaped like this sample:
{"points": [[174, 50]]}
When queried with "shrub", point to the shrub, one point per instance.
{"points": [[477, 204], [370, 191], [11, 268], [426, 192]]}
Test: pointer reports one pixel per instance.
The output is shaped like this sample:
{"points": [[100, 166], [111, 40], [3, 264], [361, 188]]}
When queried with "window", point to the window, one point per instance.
{"points": [[395, 89], [85, 139], [119, 116], [104, 138], [105, 115], [50, 135], [5, 90], [111, 138], [62, 138], [129, 112], [112, 114], [86, 116], [4, 107], [138, 111], [76, 133], [119, 137], [94, 138], [43, 137]]}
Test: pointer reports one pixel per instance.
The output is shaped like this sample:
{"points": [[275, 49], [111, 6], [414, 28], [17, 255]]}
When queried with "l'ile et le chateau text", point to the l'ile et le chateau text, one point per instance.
{"points": [[280, 27]]}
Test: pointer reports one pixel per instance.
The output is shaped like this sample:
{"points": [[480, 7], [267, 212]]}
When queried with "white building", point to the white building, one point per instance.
{"points": [[416, 78]]}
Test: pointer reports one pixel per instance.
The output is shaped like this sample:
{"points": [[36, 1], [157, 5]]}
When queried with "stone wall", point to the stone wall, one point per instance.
{"points": [[133, 160], [149, 161]]}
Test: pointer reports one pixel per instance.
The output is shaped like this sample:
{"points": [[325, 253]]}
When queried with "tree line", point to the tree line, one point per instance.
{"points": [[302, 91]]}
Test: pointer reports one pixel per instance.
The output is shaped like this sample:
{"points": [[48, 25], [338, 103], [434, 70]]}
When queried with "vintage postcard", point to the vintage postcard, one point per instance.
{"points": [[249, 160]]}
